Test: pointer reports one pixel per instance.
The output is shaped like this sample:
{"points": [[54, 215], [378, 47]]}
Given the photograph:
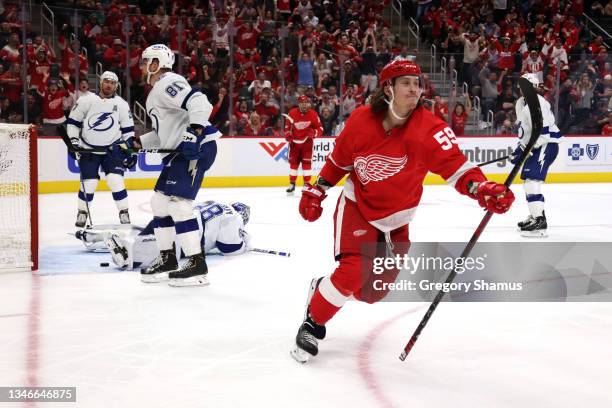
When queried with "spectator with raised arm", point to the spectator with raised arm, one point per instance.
{"points": [[369, 78], [471, 53], [305, 65]]}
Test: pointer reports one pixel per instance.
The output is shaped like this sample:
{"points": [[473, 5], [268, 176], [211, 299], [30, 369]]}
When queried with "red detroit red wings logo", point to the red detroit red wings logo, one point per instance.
{"points": [[376, 167]]}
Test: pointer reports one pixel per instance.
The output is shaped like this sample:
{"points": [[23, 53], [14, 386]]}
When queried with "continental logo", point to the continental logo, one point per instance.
{"points": [[478, 155]]}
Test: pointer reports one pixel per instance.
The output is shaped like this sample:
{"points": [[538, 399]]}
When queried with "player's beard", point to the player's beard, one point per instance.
{"points": [[107, 94]]}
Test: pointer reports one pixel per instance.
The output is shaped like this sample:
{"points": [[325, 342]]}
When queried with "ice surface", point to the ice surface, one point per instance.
{"points": [[123, 343]]}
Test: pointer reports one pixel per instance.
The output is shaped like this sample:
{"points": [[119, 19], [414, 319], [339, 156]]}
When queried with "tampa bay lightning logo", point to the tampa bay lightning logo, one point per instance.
{"points": [[101, 121]]}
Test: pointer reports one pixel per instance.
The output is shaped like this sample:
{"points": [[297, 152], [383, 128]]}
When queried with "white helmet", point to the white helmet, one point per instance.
{"points": [[111, 76], [163, 54], [533, 78]]}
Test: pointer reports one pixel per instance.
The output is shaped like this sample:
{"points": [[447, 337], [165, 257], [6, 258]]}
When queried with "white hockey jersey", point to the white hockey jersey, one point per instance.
{"points": [[172, 105], [100, 122], [550, 132], [221, 230], [221, 227]]}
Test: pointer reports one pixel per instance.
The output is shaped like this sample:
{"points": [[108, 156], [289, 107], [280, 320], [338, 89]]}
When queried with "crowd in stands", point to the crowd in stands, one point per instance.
{"points": [[253, 58], [493, 43]]}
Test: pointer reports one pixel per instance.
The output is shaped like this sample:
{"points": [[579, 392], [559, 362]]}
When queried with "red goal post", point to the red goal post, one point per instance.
{"points": [[18, 197]]}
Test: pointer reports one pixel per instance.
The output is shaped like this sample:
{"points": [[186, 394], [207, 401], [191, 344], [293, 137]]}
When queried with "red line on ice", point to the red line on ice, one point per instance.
{"points": [[363, 358], [33, 340]]}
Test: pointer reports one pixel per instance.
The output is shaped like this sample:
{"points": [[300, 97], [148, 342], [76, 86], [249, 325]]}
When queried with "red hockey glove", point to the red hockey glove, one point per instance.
{"points": [[494, 197], [310, 204]]}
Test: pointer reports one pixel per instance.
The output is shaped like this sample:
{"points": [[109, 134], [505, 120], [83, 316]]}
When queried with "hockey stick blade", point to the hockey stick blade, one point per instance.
{"points": [[289, 118], [61, 129], [535, 112], [270, 252]]}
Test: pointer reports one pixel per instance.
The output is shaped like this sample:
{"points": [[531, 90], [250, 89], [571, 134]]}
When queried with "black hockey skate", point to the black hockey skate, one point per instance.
{"points": [[306, 343], [522, 224], [193, 273], [536, 228], [124, 216], [160, 268], [319, 331], [81, 219], [291, 189]]}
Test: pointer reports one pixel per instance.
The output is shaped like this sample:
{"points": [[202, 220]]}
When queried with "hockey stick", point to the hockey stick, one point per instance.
{"points": [[270, 252], [74, 149], [86, 202], [289, 118], [535, 112], [493, 161]]}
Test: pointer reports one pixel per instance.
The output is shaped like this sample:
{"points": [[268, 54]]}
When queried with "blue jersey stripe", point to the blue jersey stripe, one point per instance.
{"points": [[76, 123], [184, 104]]}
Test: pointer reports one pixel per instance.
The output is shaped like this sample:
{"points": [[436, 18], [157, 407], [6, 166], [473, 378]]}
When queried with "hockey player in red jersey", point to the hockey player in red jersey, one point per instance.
{"points": [[387, 148], [300, 131]]}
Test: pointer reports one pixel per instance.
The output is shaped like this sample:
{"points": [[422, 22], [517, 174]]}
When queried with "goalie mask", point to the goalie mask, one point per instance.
{"points": [[161, 53], [244, 211]]}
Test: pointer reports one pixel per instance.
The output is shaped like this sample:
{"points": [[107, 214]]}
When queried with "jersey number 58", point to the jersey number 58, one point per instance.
{"points": [[446, 137]]}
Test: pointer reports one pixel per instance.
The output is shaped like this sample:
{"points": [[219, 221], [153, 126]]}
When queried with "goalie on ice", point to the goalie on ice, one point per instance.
{"points": [[221, 228]]}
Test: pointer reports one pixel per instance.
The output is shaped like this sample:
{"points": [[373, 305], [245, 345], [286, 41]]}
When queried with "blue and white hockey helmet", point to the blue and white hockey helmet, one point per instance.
{"points": [[162, 53], [244, 211]]}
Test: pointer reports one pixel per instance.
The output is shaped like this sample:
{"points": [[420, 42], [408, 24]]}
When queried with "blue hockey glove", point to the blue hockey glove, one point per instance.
{"points": [[517, 153], [130, 161], [129, 143], [190, 147]]}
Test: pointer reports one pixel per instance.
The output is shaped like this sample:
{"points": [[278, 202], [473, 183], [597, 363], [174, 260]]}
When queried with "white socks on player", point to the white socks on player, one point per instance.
{"points": [[164, 234], [117, 186], [115, 183], [90, 189], [535, 199], [183, 223], [186, 225]]}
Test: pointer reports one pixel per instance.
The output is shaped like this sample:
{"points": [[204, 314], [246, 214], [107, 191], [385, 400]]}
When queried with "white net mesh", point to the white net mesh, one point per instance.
{"points": [[15, 205]]}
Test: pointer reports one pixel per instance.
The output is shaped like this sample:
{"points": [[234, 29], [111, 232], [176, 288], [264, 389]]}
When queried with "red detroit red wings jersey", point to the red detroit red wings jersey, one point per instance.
{"points": [[304, 125], [387, 169]]}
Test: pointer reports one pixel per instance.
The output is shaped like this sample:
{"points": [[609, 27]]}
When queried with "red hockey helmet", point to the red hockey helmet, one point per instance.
{"points": [[303, 99], [398, 68]]}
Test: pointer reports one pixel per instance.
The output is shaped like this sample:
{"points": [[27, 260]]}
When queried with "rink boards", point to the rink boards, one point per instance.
{"points": [[262, 162]]}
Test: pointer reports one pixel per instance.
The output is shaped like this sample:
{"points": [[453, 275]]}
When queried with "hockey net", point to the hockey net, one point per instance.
{"points": [[18, 197]]}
